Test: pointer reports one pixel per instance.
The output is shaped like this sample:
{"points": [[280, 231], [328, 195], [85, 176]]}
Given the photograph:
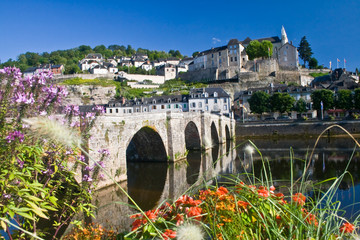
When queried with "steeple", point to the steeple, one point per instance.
{"points": [[284, 38]]}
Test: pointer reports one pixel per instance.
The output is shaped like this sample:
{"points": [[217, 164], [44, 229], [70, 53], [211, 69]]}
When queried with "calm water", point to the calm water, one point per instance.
{"points": [[151, 183]]}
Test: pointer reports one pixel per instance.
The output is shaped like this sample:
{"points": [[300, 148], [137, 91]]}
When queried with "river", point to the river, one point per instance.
{"points": [[152, 183]]}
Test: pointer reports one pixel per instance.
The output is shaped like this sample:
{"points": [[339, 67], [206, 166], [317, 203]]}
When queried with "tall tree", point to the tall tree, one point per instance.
{"points": [[313, 63], [266, 49], [344, 99], [304, 49], [357, 98], [281, 102], [253, 49], [300, 106], [259, 102], [326, 96]]}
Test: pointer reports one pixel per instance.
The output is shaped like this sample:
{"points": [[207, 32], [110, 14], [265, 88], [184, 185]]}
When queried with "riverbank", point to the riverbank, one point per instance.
{"points": [[307, 129]]}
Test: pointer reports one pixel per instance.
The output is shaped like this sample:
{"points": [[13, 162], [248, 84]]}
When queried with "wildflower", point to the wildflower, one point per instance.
{"points": [[189, 231], [222, 191], [243, 204], [299, 198], [136, 224], [87, 178], [104, 152], [249, 149], [13, 135], [168, 234], [263, 192], [347, 228], [179, 219], [194, 212]]}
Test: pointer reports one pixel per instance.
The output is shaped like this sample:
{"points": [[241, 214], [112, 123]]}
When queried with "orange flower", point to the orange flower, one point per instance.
{"points": [[243, 204], [299, 198], [347, 228], [179, 219], [222, 191], [194, 212], [136, 224], [168, 234], [262, 191]]}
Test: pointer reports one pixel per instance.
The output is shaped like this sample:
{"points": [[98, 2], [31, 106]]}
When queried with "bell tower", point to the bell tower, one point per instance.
{"points": [[284, 38]]}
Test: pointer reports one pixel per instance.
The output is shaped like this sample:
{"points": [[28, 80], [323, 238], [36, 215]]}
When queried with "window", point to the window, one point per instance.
{"points": [[235, 52], [169, 106], [225, 100], [177, 106], [215, 94], [154, 101], [129, 111], [110, 110], [225, 107], [193, 105], [206, 101], [215, 100], [200, 104], [184, 105], [206, 108], [124, 111], [212, 55], [162, 106], [235, 59], [285, 53], [231, 59], [137, 110], [145, 109], [117, 110], [219, 53], [285, 59]]}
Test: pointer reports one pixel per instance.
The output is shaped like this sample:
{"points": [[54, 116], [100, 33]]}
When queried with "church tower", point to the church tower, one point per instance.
{"points": [[284, 38]]}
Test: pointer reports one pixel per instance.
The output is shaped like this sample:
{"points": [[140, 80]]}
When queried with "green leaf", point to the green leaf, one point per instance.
{"points": [[53, 200], [38, 211], [3, 225], [26, 215], [33, 198]]}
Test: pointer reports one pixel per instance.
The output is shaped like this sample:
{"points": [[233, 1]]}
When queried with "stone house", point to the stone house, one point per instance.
{"points": [[167, 70], [213, 100], [57, 69]]}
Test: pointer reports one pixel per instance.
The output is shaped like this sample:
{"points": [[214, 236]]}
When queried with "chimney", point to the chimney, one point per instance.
{"points": [[123, 99]]}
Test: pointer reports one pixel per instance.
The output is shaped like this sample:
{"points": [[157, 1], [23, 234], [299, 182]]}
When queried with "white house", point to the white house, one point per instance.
{"points": [[214, 100]]}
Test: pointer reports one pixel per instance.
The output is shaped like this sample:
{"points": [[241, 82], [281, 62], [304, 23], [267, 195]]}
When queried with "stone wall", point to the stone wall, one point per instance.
{"points": [[88, 95], [304, 129]]}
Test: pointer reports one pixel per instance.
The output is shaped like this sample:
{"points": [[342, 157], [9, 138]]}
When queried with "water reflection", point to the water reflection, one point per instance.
{"points": [[151, 183], [146, 182]]}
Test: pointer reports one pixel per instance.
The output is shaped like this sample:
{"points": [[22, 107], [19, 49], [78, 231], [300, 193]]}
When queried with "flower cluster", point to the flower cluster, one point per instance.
{"points": [[240, 212]]}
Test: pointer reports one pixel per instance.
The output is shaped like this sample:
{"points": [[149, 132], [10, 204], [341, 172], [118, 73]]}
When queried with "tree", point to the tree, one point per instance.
{"points": [[313, 63], [357, 98], [281, 102], [253, 49], [304, 49], [71, 69], [344, 99], [300, 106], [259, 102], [195, 54], [326, 96], [266, 49]]}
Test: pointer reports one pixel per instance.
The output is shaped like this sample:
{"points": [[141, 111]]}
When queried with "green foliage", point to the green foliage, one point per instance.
{"points": [[357, 98], [136, 70], [259, 102], [320, 74], [344, 99], [281, 102], [304, 49], [326, 96], [300, 106], [255, 49], [195, 54], [313, 63], [94, 82]]}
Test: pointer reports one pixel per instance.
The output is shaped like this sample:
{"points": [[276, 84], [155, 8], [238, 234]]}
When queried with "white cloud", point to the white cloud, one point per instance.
{"points": [[215, 40]]}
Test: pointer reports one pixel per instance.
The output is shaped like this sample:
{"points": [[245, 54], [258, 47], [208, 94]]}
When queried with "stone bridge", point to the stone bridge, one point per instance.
{"points": [[155, 137]]}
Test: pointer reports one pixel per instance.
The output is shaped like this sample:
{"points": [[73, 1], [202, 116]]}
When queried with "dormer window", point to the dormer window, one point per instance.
{"points": [[169, 100], [206, 94], [154, 101], [215, 94]]}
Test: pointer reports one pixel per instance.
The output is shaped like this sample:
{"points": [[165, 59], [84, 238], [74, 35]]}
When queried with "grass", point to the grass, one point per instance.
{"points": [[315, 75], [93, 82]]}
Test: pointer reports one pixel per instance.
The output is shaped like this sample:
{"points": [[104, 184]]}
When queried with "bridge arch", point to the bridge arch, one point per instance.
{"points": [[146, 145], [192, 137], [214, 135]]}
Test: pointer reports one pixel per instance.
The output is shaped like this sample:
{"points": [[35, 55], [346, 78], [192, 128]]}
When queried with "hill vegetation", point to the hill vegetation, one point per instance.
{"points": [[70, 58]]}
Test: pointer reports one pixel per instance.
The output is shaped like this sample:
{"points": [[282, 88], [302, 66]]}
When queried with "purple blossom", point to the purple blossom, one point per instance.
{"points": [[6, 196], [72, 110], [15, 135], [82, 158], [99, 109], [87, 178], [104, 152], [69, 152], [88, 168], [101, 163], [101, 176], [21, 97], [21, 163], [90, 115]]}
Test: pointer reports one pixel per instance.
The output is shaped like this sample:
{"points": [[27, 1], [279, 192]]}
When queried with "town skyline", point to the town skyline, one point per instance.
{"points": [[329, 27]]}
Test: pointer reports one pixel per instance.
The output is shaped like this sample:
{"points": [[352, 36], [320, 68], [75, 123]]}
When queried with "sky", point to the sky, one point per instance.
{"points": [[332, 27]]}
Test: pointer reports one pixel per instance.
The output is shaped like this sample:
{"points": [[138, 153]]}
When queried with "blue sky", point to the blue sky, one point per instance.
{"points": [[332, 27]]}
